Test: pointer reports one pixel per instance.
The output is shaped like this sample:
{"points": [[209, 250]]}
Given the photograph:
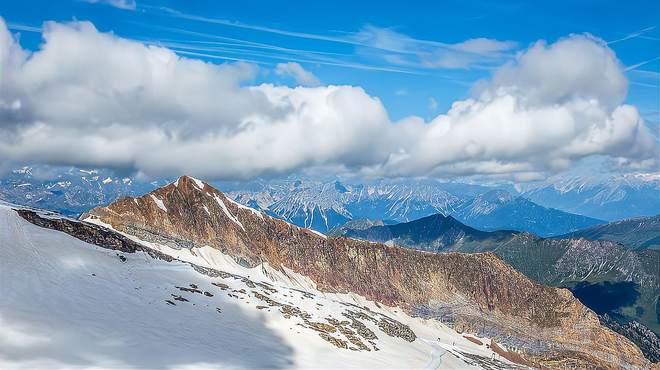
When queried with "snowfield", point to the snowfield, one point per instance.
{"points": [[69, 304]]}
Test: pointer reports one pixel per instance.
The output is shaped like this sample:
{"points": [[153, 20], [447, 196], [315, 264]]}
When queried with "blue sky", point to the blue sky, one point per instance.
{"points": [[513, 90], [317, 34]]}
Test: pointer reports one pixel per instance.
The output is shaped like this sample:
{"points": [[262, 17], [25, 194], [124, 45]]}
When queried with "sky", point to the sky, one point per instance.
{"points": [[516, 89]]}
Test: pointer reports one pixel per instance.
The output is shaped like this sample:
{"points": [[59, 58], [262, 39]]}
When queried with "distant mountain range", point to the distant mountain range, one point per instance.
{"points": [[68, 190], [614, 280], [610, 198], [498, 209], [324, 205]]}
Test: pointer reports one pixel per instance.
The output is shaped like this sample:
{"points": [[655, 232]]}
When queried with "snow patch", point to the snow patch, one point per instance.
{"points": [[107, 180], [226, 211], [317, 233], [198, 182], [241, 206], [158, 202]]}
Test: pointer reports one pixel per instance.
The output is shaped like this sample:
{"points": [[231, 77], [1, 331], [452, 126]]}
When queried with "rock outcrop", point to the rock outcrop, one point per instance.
{"points": [[477, 293]]}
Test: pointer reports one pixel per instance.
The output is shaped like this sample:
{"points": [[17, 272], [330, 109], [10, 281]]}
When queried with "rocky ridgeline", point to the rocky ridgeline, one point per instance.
{"points": [[347, 331], [479, 292]]}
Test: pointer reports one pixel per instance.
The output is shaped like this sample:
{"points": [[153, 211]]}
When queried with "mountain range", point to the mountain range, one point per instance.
{"points": [[610, 198], [324, 205], [185, 252], [498, 209], [476, 293], [68, 190]]}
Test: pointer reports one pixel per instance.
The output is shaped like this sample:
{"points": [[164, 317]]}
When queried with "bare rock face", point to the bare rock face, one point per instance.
{"points": [[477, 293]]}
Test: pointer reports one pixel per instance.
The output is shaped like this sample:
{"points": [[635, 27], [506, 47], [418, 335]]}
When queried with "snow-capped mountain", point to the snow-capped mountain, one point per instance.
{"points": [[92, 298], [550, 208], [325, 205], [217, 284], [473, 293], [606, 198], [68, 190]]}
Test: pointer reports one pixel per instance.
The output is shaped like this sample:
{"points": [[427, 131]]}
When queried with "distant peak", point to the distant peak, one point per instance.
{"points": [[438, 217]]}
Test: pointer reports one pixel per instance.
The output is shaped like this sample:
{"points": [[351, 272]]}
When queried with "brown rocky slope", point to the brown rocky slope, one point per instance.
{"points": [[477, 293]]}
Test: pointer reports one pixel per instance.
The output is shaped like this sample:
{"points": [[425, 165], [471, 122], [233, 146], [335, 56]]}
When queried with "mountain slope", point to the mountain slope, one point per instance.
{"points": [[101, 300], [498, 210], [476, 293], [636, 233], [605, 268]]}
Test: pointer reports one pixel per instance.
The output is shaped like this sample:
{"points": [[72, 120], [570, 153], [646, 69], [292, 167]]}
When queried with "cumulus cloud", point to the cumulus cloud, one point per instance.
{"points": [[298, 73], [89, 98]]}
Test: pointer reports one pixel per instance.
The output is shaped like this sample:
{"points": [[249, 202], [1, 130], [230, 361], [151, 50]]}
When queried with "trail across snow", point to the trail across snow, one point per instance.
{"points": [[436, 355]]}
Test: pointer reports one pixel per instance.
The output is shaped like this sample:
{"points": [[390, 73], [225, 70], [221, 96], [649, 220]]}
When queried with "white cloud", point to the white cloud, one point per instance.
{"points": [[93, 99], [121, 4], [400, 49], [299, 74]]}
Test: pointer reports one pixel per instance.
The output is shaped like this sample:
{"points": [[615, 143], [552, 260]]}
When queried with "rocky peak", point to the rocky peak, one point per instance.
{"points": [[478, 293]]}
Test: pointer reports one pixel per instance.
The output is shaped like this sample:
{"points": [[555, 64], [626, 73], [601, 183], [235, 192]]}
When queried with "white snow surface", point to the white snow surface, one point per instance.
{"points": [[241, 206], [317, 233], [198, 182], [158, 202], [69, 304], [226, 211]]}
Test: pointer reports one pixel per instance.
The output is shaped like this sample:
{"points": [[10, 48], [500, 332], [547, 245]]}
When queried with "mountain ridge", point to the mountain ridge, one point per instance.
{"points": [[636, 233], [432, 284], [132, 304], [587, 267]]}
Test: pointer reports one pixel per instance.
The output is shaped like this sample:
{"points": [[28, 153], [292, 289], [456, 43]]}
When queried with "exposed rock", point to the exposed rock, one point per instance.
{"points": [[644, 338], [335, 341]]}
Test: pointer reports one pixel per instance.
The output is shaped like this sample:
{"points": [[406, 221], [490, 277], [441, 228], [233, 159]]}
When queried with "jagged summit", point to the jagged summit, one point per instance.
{"points": [[478, 293], [186, 180]]}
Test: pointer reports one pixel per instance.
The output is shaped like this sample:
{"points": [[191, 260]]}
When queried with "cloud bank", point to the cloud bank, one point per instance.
{"points": [[88, 98]]}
